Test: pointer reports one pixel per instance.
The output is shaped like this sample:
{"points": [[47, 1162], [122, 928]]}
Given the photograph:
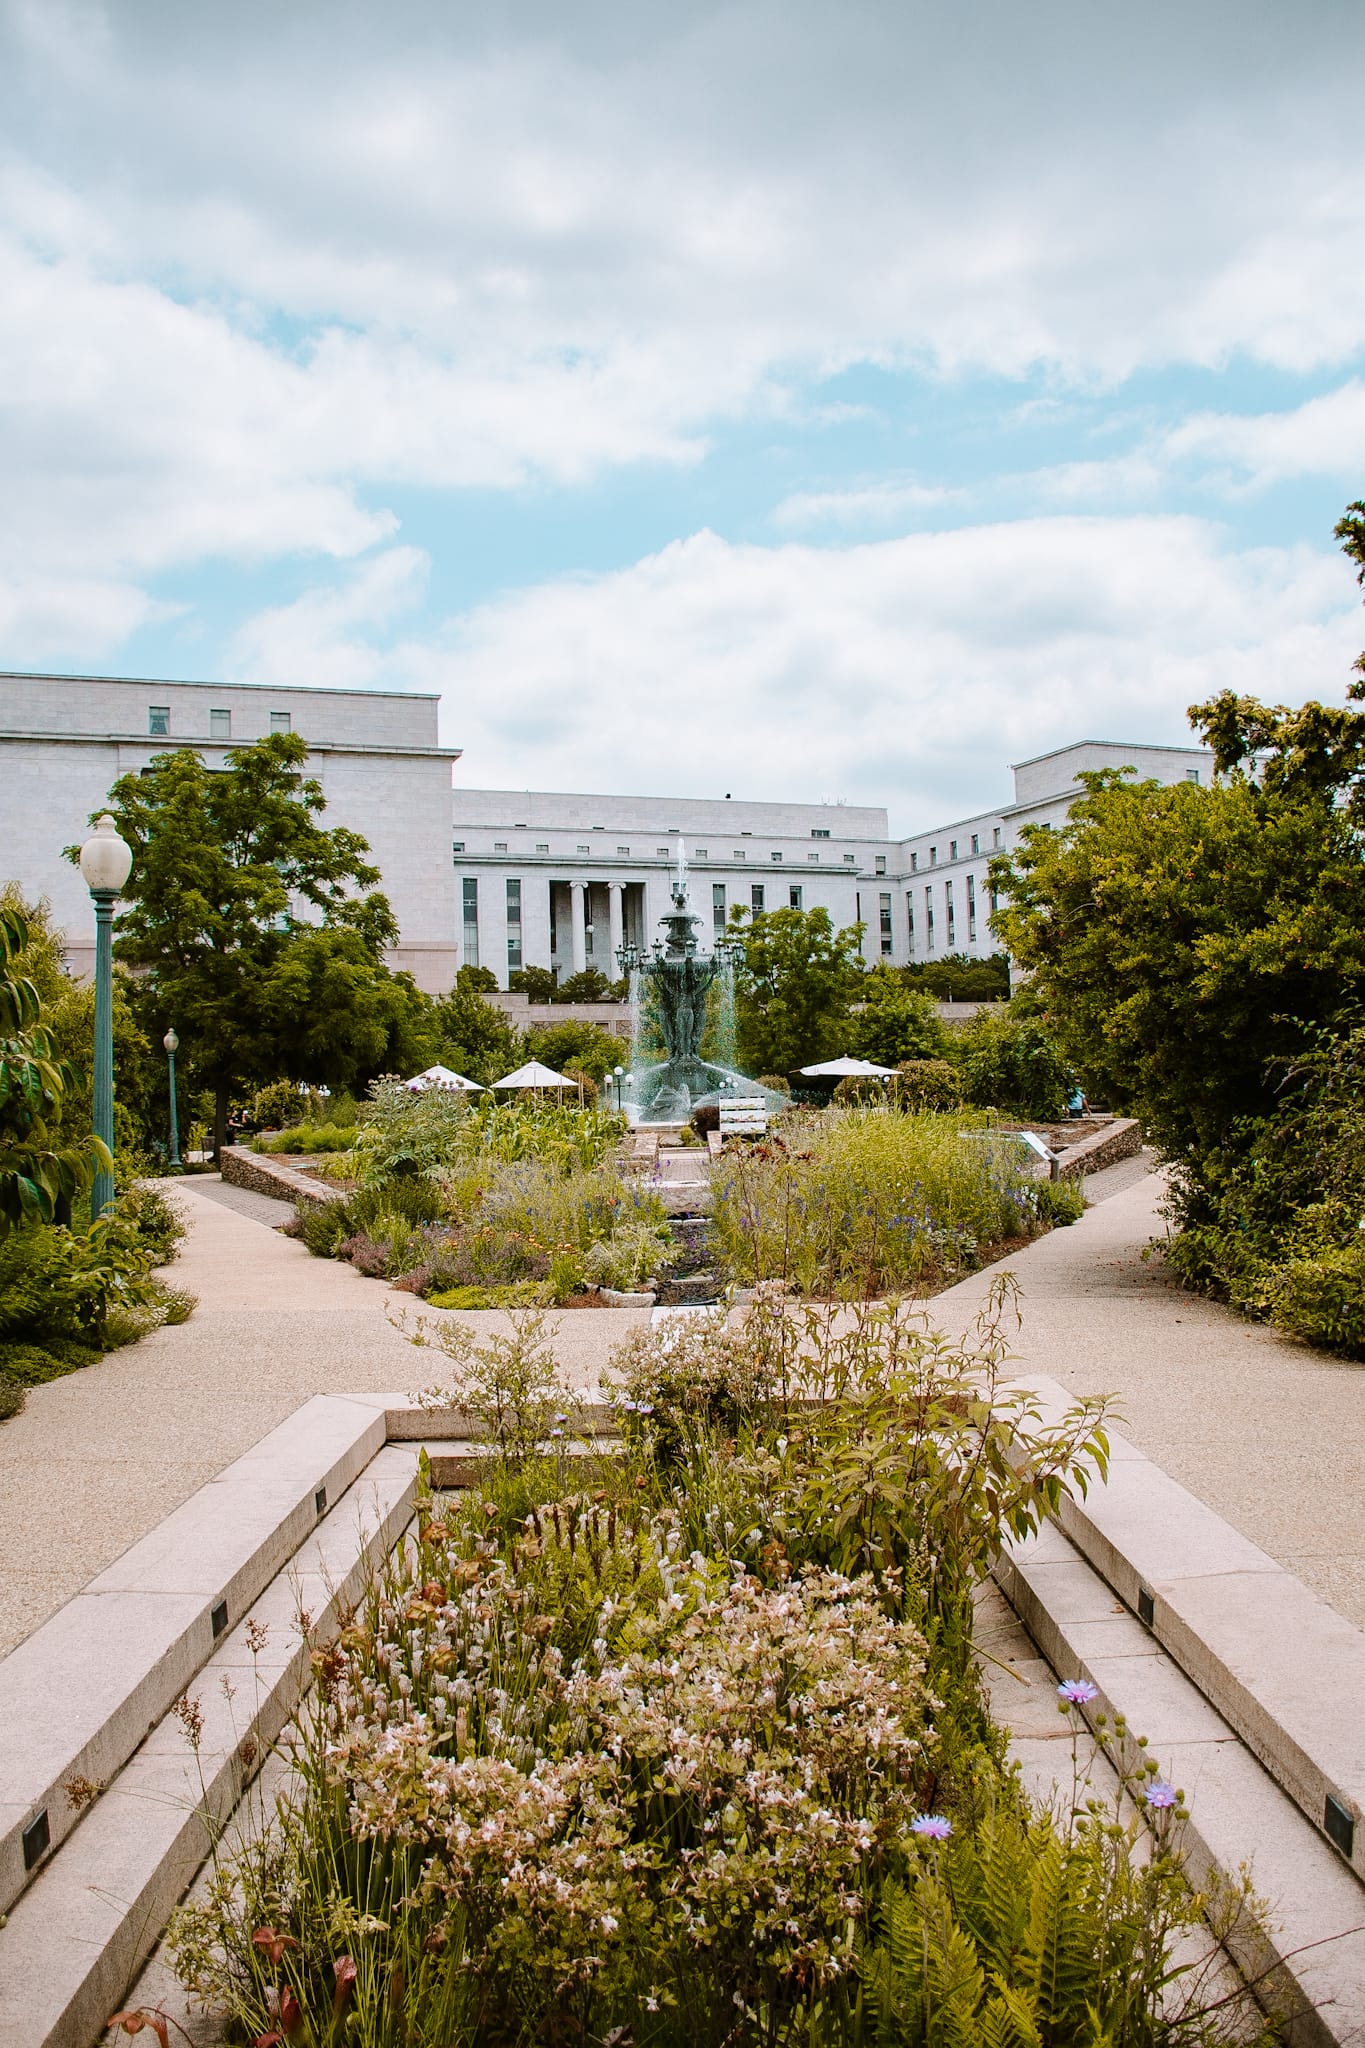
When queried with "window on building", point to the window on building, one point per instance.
{"points": [[700, 853], [914, 863], [583, 849], [718, 906], [795, 894], [281, 721], [933, 856], [884, 922], [777, 860], [976, 842], [971, 909], [850, 860], [470, 894], [457, 846], [819, 832], [881, 863], [499, 846], [756, 899], [740, 853], [910, 920], [948, 913], [952, 849], [813, 859], [513, 926], [1191, 775], [995, 836], [995, 901], [542, 846], [929, 917], [624, 851], [220, 725], [660, 852], [158, 721]]}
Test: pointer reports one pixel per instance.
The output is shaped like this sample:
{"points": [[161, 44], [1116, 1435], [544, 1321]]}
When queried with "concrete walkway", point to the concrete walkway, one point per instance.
{"points": [[1268, 1431], [98, 1458]]}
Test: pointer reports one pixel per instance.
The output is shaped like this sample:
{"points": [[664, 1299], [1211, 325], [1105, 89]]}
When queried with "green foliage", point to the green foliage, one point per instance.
{"points": [[1058, 1201], [927, 1084], [794, 987], [479, 981], [308, 1138], [220, 860], [524, 1294], [278, 1106], [778, 1083], [957, 977], [856, 1201], [157, 1224], [12, 1396], [896, 1023], [590, 986], [38, 1169], [472, 1036], [1013, 1064], [1320, 1298], [539, 984], [406, 1131], [323, 1227], [581, 1045]]}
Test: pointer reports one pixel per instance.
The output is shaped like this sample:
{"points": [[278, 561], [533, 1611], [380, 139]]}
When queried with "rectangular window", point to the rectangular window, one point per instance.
{"points": [[584, 849], [976, 842], [884, 921], [158, 721], [933, 856], [929, 917], [794, 896], [1191, 775], [952, 849], [470, 893], [819, 832], [881, 863], [624, 851], [995, 901], [220, 725], [700, 853], [740, 854], [971, 909], [513, 925], [660, 852], [756, 899], [542, 846], [499, 846], [910, 920], [850, 860], [813, 859], [914, 863], [281, 721], [718, 906], [995, 836], [948, 907], [457, 846], [777, 860]]}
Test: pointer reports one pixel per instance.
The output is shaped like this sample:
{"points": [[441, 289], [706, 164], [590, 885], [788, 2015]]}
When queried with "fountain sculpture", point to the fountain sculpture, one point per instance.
{"points": [[679, 979]]}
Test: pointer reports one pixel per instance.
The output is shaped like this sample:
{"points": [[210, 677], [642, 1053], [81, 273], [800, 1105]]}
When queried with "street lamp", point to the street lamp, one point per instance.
{"points": [[172, 1045], [619, 1074], [105, 864]]}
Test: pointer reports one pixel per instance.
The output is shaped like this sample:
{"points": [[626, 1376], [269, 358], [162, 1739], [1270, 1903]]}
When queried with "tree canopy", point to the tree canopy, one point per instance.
{"points": [[793, 988], [40, 1171], [896, 1022]]}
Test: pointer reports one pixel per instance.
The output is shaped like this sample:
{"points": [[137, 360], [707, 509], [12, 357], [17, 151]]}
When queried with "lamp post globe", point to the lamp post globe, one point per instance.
{"points": [[172, 1045], [618, 1074], [106, 861]]}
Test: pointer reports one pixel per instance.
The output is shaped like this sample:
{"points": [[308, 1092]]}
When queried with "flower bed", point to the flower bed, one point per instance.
{"points": [[687, 1744]]}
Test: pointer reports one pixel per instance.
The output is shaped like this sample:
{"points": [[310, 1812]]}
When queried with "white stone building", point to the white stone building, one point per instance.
{"points": [[504, 878]]}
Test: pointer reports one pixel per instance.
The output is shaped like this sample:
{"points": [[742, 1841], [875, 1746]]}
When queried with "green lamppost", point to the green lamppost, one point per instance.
{"points": [[618, 1075], [172, 1044], [105, 862]]}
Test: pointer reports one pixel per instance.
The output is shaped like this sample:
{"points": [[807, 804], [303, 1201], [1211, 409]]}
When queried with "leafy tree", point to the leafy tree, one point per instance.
{"points": [[480, 980], [794, 987], [583, 1045], [896, 1023], [39, 1173], [591, 986], [472, 1036], [1013, 1064], [957, 977], [241, 912], [539, 983]]}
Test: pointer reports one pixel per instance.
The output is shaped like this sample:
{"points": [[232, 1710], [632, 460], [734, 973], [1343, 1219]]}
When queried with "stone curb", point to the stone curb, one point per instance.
{"points": [[1120, 1140], [265, 1174]]}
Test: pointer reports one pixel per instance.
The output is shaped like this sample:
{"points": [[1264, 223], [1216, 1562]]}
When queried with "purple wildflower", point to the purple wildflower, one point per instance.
{"points": [[1159, 1793], [933, 1826], [1078, 1692]]}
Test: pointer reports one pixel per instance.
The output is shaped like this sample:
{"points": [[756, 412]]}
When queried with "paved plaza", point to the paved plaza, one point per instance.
{"points": [[1262, 1428]]}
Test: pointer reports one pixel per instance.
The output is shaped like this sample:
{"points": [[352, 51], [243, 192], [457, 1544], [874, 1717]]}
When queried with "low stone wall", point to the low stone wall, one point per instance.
{"points": [[266, 1173], [1118, 1140]]}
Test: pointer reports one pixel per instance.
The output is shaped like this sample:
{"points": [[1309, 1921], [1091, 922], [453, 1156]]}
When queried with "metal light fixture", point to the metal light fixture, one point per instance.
{"points": [[106, 861], [618, 1074], [172, 1045]]}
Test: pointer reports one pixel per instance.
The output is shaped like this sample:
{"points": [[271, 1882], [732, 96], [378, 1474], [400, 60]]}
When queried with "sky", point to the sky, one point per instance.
{"points": [[812, 401]]}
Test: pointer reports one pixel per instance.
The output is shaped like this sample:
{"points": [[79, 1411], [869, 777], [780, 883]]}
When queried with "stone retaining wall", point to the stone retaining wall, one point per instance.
{"points": [[1118, 1140], [266, 1173]]}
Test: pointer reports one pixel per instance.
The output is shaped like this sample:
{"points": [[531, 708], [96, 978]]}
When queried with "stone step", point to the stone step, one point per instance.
{"points": [[80, 1932], [121, 1651]]}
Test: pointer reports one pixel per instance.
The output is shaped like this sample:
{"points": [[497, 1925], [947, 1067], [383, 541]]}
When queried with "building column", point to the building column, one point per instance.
{"points": [[577, 926], [615, 926]]}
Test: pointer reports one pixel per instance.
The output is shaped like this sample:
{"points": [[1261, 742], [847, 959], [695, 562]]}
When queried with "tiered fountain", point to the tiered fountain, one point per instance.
{"points": [[679, 984]]}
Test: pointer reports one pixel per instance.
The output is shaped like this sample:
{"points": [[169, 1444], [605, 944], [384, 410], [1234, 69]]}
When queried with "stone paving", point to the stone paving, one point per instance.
{"points": [[1266, 1430]]}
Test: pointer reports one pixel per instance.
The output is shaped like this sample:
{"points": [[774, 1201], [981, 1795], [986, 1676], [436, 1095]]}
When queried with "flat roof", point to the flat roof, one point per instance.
{"points": [[1135, 746], [26, 675]]}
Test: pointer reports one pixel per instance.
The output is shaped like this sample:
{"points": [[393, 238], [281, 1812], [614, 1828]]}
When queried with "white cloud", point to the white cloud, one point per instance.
{"points": [[909, 671], [881, 504], [72, 618], [1323, 437], [318, 639]]}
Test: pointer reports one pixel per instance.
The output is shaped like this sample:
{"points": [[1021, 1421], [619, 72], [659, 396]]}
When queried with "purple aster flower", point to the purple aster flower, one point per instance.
{"points": [[933, 1826], [1078, 1692], [1159, 1793]]}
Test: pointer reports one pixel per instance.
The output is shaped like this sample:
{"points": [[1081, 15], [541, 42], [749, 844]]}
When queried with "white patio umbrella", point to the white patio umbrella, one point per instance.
{"points": [[836, 1069], [443, 1077], [535, 1074]]}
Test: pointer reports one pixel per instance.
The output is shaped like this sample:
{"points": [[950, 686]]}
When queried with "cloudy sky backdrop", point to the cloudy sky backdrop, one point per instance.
{"points": [[809, 400]]}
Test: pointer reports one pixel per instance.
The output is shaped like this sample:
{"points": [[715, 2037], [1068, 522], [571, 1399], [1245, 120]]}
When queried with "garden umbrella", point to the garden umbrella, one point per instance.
{"points": [[535, 1074], [443, 1077], [836, 1069]]}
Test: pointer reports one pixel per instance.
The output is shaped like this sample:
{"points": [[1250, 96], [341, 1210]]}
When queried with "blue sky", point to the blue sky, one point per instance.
{"points": [[804, 400]]}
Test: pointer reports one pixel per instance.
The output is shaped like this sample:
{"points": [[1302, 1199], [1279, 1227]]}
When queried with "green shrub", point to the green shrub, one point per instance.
{"points": [[12, 1397], [778, 1083], [1013, 1064], [1058, 1201], [515, 1294], [158, 1224], [322, 1226], [307, 1138], [1321, 1299], [277, 1106], [32, 1365], [927, 1084], [706, 1118]]}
